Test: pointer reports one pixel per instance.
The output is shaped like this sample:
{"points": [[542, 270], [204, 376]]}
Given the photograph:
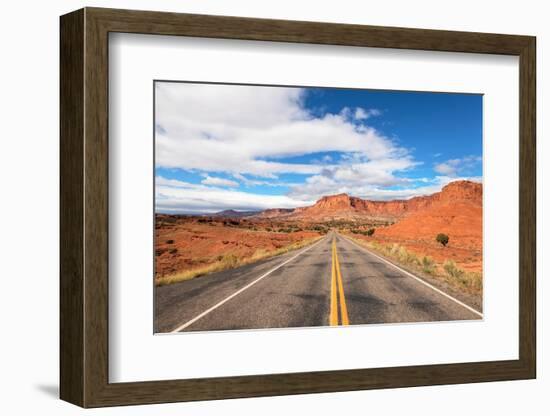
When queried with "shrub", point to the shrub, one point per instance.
{"points": [[229, 261], [169, 241], [370, 232], [394, 250], [428, 264], [407, 257], [452, 270], [402, 254], [442, 238], [475, 281], [452, 274]]}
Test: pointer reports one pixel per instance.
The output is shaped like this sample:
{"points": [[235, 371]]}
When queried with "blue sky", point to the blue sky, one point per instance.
{"points": [[254, 147]]}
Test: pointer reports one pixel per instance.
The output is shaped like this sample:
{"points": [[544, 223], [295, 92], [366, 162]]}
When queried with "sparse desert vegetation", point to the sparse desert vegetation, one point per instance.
{"points": [[445, 270], [189, 247], [230, 261], [442, 239]]}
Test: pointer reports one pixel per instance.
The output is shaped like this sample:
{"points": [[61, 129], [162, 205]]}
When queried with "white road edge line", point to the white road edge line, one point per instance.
{"points": [[217, 305], [417, 278]]}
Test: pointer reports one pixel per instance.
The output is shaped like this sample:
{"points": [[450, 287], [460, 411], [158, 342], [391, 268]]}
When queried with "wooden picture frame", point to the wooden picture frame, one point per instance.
{"points": [[84, 207]]}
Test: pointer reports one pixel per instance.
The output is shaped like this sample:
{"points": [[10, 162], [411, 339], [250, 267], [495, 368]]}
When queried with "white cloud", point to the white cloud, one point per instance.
{"points": [[173, 196], [358, 113], [447, 168], [215, 181], [244, 129], [436, 185], [362, 114], [319, 186], [256, 182], [453, 167], [355, 177]]}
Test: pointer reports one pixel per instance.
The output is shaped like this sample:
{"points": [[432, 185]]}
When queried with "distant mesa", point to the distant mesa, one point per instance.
{"points": [[275, 213], [231, 213], [344, 206], [456, 210]]}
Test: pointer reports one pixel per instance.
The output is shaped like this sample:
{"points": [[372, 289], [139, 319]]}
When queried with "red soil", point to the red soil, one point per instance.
{"points": [[184, 243], [458, 213]]}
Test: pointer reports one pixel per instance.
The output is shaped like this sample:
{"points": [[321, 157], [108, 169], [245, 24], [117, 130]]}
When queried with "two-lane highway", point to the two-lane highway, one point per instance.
{"points": [[332, 282]]}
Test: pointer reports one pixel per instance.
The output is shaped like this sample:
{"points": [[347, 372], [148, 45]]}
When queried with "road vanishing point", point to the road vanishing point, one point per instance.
{"points": [[331, 282]]}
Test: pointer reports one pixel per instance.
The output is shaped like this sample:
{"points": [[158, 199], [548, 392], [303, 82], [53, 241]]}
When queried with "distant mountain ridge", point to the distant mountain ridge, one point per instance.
{"points": [[344, 206], [231, 213], [348, 206], [456, 211]]}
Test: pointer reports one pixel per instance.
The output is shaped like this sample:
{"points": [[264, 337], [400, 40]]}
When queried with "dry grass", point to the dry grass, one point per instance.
{"points": [[469, 280], [461, 279], [230, 261]]}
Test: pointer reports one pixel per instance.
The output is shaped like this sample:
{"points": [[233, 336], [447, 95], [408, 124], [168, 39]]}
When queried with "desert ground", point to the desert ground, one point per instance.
{"points": [[192, 246]]}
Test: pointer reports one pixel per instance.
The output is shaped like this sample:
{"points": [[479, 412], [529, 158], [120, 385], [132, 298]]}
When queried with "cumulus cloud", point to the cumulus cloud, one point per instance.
{"points": [[246, 129], [359, 113], [453, 167], [409, 188], [357, 177], [174, 196], [215, 181], [362, 114]]}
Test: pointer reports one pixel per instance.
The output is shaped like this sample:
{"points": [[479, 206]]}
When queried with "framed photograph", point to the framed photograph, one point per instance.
{"points": [[255, 207]]}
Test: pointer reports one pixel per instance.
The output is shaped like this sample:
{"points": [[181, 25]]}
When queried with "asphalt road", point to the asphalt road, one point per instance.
{"points": [[332, 282]]}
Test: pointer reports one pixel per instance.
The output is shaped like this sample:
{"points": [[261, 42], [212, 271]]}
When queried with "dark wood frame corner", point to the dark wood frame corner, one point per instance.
{"points": [[84, 207]]}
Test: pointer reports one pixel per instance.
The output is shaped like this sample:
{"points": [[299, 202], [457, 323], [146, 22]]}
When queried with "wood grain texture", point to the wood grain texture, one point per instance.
{"points": [[84, 207], [96, 208], [527, 208], [71, 213]]}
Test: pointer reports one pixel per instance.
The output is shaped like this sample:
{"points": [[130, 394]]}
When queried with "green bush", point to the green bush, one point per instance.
{"points": [[370, 232], [442, 238]]}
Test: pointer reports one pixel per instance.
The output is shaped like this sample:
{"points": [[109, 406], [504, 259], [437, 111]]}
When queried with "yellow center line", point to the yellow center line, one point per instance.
{"points": [[337, 291], [343, 307], [333, 291]]}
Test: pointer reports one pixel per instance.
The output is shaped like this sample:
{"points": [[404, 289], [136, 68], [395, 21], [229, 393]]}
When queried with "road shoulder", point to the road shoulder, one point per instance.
{"points": [[473, 301]]}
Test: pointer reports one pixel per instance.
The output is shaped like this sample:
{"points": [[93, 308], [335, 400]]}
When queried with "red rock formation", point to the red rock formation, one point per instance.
{"points": [[456, 211], [344, 206], [275, 213]]}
